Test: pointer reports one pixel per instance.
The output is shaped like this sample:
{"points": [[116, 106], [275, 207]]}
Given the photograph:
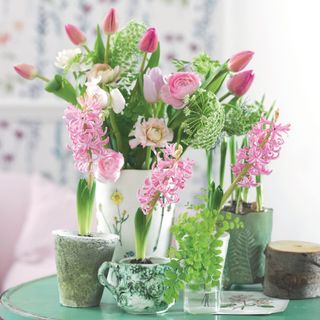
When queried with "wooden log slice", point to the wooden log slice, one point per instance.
{"points": [[292, 270]]}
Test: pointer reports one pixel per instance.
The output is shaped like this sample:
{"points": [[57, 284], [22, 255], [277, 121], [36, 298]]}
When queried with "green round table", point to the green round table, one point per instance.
{"points": [[38, 299]]}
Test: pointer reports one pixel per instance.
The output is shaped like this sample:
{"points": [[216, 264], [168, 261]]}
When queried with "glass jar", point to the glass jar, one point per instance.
{"points": [[202, 300]]}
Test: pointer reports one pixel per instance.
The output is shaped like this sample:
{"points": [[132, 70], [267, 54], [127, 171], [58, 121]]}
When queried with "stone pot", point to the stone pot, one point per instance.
{"points": [[137, 288], [117, 204], [78, 259], [245, 262]]}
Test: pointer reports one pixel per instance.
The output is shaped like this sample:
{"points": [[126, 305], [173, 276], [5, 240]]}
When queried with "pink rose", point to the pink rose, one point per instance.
{"points": [[152, 133], [109, 166], [179, 85]]}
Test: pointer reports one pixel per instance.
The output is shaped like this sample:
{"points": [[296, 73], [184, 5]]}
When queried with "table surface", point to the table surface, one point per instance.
{"points": [[38, 299]]}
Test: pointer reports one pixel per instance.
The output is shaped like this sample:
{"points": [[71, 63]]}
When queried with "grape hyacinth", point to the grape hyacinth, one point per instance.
{"points": [[85, 130], [169, 175], [265, 141]]}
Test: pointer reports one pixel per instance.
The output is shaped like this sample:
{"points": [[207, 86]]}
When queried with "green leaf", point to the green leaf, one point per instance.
{"points": [[99, 48], [154, 59], [62, 88], [142, 224]]}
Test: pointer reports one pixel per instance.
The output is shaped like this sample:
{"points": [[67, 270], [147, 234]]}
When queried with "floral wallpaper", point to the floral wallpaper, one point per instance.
{"points": [[33, 32]]}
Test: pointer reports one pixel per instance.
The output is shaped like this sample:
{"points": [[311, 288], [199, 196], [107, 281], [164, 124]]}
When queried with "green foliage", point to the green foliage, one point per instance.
{"points": [[62, 88], [240, 117], [203, 64], [99, 48], [204, 120], [85, 200], [142, 224], [126, 54], [197, 261]]}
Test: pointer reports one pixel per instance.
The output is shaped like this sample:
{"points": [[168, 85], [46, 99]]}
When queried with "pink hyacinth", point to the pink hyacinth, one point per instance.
{"points": [[85, 130], [265, 141], [169, 175]]}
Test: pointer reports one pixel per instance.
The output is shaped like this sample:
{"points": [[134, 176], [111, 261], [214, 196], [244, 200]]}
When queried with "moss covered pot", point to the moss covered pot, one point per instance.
{"points": [[78, 259], [245, 261], [137, 288]]}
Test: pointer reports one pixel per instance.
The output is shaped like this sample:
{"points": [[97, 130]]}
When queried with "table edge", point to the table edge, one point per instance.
{"points": [[5, 299]]}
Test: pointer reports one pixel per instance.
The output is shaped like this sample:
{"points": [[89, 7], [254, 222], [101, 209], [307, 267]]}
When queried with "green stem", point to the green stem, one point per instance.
{"points": [[42, 78], [142, 224], [176, 120], [86, 48], [245, 194], [106, 52], [259, 197], [223, 154], [116, 131], [179, 135], [209, 154], [159, 232], [143, 62], [148, 158], [234, 184], [225, 96], [233, 158], [242, 173]]}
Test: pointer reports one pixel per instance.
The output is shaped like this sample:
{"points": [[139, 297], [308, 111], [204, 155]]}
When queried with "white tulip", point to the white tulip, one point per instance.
{"points": [[117, 100]]}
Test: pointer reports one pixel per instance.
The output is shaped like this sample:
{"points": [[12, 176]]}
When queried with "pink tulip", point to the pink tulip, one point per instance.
{"points": [[240, 60], [76, 36], [109, 166], [240, 83], [110, 22], [149, 41], [26, 71], [152, 83]]}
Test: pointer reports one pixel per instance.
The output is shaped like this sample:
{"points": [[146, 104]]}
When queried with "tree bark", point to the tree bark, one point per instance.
{"points": [[292, 270]]}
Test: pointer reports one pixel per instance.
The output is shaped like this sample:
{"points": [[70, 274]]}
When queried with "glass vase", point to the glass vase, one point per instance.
{"points": [[202, 301]]}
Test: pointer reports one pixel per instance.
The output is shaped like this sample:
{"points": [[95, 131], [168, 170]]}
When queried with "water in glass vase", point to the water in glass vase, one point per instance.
{"points": [[204, 301]]}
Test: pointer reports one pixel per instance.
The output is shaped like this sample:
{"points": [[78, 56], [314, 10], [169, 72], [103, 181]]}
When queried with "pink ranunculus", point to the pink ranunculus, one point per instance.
{"points": [[151, 133], [240, 83], [109, 166], [179, 85], [240, 60], [152, 84]]}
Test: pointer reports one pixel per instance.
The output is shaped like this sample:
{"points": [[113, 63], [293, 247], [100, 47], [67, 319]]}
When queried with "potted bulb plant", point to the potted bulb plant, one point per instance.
{"points": [[137, 283], [197, 262]]}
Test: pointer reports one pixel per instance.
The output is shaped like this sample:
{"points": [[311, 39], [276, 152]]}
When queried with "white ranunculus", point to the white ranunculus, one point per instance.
{"points": [[94, 91], [117, 100], [64, 57]]}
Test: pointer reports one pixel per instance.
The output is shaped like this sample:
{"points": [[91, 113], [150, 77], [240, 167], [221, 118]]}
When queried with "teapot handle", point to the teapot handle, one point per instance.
{"points": [[102, 276]]}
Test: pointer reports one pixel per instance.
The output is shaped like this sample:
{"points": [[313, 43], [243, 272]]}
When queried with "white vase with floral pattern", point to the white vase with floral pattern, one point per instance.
{"points": [[117, 204]]}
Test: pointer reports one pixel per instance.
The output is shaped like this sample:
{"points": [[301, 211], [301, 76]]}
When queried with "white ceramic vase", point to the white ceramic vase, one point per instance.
{"points": [[117, 204]]}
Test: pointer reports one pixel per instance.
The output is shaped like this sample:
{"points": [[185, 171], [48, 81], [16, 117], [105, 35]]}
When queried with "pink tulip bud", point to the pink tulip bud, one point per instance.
{"points": [[110, 22], [240, 60], [240, 83], [26, 71], [76, 36], [149, 41]]}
